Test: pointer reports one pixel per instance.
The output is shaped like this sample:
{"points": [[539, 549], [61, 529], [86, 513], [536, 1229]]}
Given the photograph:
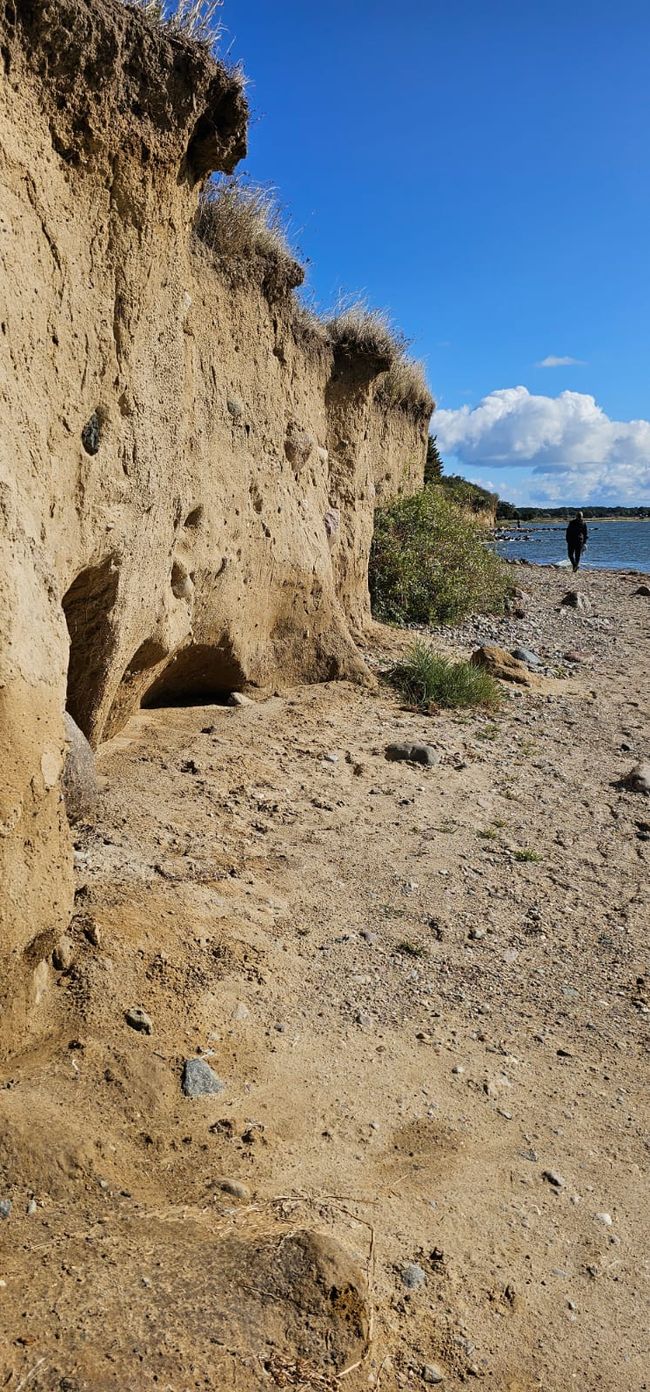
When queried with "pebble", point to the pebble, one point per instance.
{"points": [[638, 779], [458, 1069], [604, 1218], [198, 1079], [241, 1012], [31, 1207], [5, 1208], [432, 1374], [233, 1187], [477, 934], [139, 1020], [525, 655], [363, 1019], [237, 698], [552, 1177], [63, 954], [412, 753], [413, 1276], [370, 938]]}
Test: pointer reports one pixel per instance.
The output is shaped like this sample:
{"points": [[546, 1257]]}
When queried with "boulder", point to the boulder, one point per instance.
{"points": [[80, 787], [525, 655], [502, 665], [643, 590], [573, 599], [412, 753], [199, 1080], [638, 779]]}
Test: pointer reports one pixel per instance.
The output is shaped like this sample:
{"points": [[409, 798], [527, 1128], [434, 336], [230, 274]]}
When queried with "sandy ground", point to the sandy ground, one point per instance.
{"points": [[424, 991]]}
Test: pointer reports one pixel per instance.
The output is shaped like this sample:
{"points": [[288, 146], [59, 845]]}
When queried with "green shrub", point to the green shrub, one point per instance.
{"points": [[425, 679], [429, 564]]}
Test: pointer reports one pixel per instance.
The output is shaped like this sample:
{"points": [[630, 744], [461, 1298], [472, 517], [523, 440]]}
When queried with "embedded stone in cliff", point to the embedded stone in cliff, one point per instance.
{"points": [[80, 788], [91, 434]]}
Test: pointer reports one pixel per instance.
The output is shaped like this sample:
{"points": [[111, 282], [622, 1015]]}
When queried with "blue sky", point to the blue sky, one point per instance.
{"points": [[481, 170]]}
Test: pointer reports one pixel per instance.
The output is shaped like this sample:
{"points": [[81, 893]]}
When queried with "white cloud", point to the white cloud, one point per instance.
{"points": [[552, 361], [567, 440]]}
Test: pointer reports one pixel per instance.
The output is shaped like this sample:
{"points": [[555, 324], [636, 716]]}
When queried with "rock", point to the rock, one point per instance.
{"points": [[5, 1208], [91, 434], [240, 1013], [92, 933], [413, 1276], [574, 656], [638, 779], [79, 782], [363, 1019], [477, 934], [642, 590], [63, 954], [198, 1079], [370, 938], [525, 655], [139, 1020], [604, 1218], [233, 1187], [332, 520], [237, 698], [502, 665], [553, 1178], [412, 753], [432, 1374], [573, 599], [235, 408]]}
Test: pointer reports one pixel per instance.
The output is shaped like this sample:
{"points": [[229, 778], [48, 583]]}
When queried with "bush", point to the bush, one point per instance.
{"points": [[425, 680], [470, 495], [357, 329], [405, 385], [429, 564], [242, 226]]}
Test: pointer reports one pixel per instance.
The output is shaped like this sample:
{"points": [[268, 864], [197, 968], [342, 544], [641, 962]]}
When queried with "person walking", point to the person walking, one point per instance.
{"points": [[576, 539]]}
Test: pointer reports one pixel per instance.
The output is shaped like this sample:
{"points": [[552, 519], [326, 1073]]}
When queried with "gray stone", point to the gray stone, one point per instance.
{"points": [[139, 1020], [235, 408], [573, 599], [525, 655], [412, 753], [63, 954], [432, 1374], [413, 1276], [638, 779], [237, 698], [5, 1208], [643, 590], [79, 782], [240, 1013], [553, 1178], [199, 1080]]}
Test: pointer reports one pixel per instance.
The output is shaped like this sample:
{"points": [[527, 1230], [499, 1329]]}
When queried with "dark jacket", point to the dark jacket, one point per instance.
{"points": [[576, 533]]}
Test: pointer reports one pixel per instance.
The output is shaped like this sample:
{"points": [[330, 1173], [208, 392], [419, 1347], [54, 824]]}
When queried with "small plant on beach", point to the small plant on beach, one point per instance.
{"points": [[487, 834], [412, 949], [430, 564], [426, 680], [526, 856], [488, 732]]}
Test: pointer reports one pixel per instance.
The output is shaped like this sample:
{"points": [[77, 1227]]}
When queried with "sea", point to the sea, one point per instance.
{"points": [[617, 545]]}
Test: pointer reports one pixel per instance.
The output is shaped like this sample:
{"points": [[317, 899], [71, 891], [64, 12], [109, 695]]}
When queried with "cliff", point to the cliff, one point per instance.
{"points": [[187, 478]]}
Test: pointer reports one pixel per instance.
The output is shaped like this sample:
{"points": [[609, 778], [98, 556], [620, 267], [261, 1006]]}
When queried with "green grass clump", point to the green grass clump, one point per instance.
{"points": [[411, 949], [425, 680], [526, 856], [430, 564]]}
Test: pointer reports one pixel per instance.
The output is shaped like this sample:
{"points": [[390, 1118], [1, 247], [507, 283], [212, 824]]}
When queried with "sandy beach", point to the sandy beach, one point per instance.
{"points": [[425, 992]]}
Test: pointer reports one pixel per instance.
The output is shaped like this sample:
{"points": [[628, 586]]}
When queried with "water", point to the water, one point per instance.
{"points": [[616, 545]]}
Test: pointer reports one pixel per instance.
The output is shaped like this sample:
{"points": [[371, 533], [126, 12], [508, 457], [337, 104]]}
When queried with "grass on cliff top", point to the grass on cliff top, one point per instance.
{"points": [[426, 680], [355, 328], [405, 385], [196, 19], [242, 225], [429, 563]]}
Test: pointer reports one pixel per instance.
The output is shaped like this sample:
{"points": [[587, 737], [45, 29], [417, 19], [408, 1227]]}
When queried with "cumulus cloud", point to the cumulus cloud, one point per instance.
{"points": [[552, 361], [567, 440]]}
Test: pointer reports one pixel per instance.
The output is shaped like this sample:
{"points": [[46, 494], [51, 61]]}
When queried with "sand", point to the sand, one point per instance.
{"points": [[425, 992]]}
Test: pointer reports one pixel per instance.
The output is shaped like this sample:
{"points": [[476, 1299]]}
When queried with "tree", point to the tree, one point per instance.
{"points": [[434, 465]]}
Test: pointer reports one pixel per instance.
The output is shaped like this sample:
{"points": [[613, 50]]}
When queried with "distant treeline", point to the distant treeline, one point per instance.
{"points": [[507, 512]]}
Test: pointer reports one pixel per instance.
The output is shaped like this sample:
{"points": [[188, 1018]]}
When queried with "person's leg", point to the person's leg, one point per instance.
{"points": [[577, 555]]}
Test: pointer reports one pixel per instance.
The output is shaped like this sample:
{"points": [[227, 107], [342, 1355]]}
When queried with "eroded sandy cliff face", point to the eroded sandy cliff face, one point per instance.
{"points": [[187, 481]]}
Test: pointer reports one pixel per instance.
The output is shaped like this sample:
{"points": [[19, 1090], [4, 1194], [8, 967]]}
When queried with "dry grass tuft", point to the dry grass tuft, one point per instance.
{"points": [[405, 385], [356, 329], [195, 19], [241, 225]]}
